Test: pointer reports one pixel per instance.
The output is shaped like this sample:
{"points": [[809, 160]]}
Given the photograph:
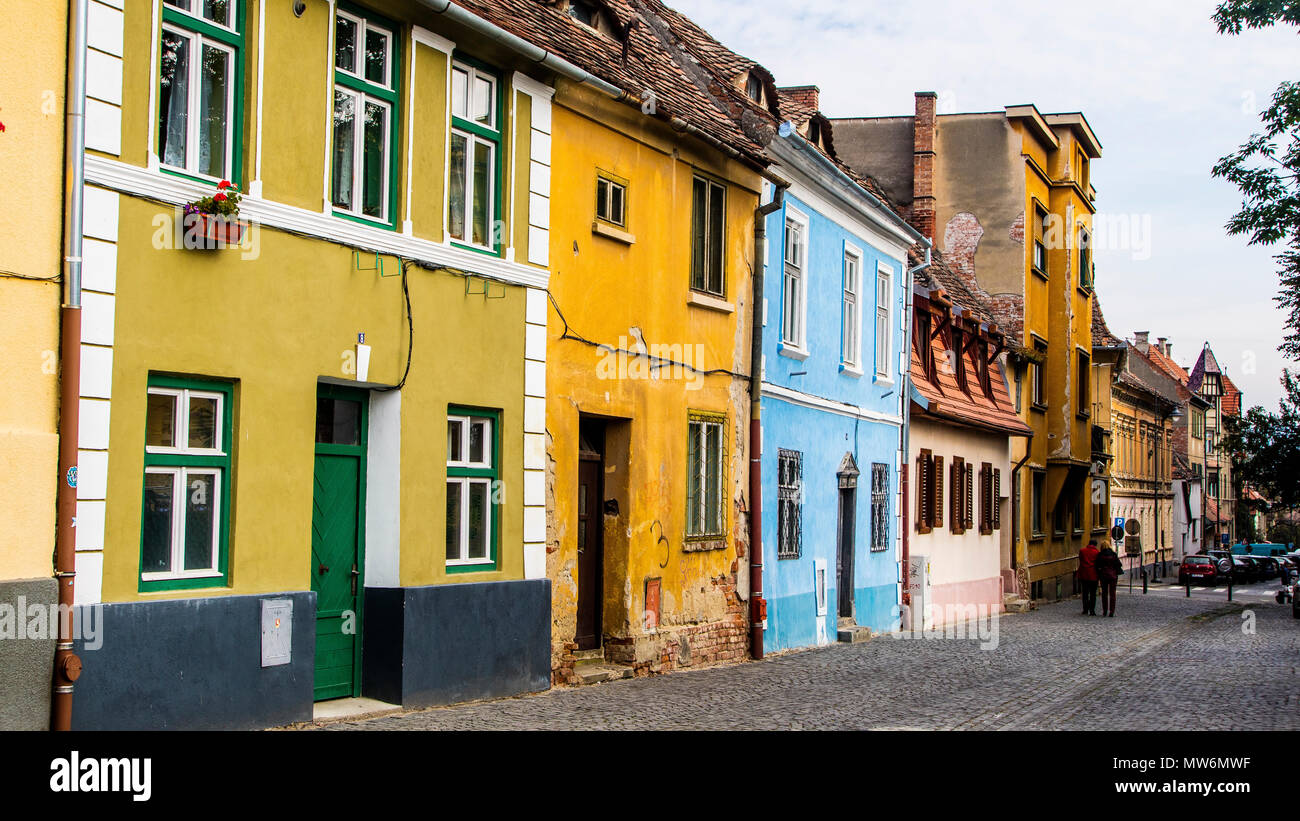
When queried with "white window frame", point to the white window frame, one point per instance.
{"points": [[359, 102], [180, 422], [712, 188], [884, 313], [359, 50], [795, 318], [180, 481], [851, 355], [472, 74], [465, 422], [465, 482], [197, 43], [233, 8], [467, 171]]}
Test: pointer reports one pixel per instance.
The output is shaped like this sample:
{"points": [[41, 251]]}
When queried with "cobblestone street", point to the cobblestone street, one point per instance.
{"points": [[1164, 662]]}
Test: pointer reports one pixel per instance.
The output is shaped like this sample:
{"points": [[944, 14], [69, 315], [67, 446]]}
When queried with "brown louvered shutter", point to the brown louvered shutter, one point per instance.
{"points": [[986, 498], [936, 494], [997, 497], [970, 497], [924, 478], [957, 505]]}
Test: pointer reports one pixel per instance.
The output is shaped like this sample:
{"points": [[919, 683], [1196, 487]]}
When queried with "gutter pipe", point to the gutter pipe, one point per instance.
{"points": [[904, 437], [67, 666], [757, 604]]}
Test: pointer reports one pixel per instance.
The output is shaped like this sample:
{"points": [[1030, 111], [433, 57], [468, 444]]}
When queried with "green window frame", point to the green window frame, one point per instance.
{"points": [[184, 138], [188, 427], [364, 149], [474, 175], [473, 484], [706, 476], [709, 236]]}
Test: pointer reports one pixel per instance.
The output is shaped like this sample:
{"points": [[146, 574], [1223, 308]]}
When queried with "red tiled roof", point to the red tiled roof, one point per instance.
{"points": [[1101, 335], [970, 406], [654, 55], [1169, 366], [1231, 398]]}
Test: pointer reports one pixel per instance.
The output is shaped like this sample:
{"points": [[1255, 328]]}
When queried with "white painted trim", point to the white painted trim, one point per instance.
{"points": [[851, 250], [807, 400], [155, 38], [408, 225], [514, 183], [433, 41], [446, 154], [255, 187], [886, 244], [383, 490], [326, 204], [531, 87], [133, 180], [887, 270]]}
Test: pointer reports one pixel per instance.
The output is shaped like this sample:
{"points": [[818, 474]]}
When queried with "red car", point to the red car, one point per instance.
{"points": [[1197, 568]]}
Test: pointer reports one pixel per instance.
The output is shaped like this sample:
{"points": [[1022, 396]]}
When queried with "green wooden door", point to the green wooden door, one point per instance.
{"points": [[338, 541]]}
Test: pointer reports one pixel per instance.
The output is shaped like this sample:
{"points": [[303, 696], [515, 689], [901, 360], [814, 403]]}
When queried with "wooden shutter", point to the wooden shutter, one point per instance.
{"points": [[924, 502], [970, 497], [936, 494], [958, 504], [986, 499], [997, 497]]}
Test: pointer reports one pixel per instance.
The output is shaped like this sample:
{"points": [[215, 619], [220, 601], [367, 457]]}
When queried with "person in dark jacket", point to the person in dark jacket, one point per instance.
{"points": [[1088, 577], [1109, 569]]}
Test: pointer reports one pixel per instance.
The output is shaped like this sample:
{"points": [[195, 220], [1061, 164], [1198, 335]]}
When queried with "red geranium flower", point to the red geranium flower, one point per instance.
{"points": [[224, 184], [219, 196]]}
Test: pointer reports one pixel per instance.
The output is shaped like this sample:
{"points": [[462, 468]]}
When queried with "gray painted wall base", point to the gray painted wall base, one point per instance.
{"points": [[26, 664], [444, 644], [194, 664]]}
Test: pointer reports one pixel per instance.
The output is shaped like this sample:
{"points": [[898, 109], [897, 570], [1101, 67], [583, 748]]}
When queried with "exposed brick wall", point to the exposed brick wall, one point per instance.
{"points": [[1017, 232], [804, 95], [923, 155], [674, 646]]}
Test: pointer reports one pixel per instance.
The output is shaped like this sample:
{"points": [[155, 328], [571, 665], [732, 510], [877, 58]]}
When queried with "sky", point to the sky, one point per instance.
{"points": [[1166, 94]]}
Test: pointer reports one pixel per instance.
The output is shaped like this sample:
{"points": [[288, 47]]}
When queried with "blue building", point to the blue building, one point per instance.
{"points": [[835, 342]]}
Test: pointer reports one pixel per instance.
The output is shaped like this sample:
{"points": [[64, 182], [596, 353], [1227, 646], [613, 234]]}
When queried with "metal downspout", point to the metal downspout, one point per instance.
{"points": [[904, 433], [67, 667], [757, 606]]}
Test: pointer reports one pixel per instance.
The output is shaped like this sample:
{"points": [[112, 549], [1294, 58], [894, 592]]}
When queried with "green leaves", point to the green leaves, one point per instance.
{"points": [[1266, 446], [1266, 168]]}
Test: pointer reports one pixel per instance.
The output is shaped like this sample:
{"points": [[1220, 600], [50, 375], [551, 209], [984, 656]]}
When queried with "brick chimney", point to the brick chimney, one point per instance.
{"points": [[1142, 340], [804, 95], [1162, 345], [923, 131]]}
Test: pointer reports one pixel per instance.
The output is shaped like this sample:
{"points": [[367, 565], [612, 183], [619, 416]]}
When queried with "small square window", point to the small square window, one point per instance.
{"points": [[610, 199]]}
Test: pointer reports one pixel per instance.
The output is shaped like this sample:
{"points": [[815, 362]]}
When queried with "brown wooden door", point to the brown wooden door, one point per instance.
{"points": [[590, 553]]}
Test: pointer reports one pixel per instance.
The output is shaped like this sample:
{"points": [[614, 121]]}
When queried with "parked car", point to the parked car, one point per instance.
{"points": [[1260, 565], [1288, 568], [1198, 569], [1244, 571], [1271, 567]]}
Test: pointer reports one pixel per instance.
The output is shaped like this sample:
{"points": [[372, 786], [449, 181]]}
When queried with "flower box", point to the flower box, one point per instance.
{"points": [[212, 231]]}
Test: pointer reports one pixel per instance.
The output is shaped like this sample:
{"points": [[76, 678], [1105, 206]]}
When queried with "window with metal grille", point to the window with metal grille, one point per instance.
{"points": [[789, 521], [706, 457], [879, 507]]}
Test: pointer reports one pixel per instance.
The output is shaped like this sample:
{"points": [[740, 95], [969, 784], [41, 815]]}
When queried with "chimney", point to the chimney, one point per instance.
{"points": [[1142, 340], [923, 132], [1162, 345], [1169, 351], [809, 96]]}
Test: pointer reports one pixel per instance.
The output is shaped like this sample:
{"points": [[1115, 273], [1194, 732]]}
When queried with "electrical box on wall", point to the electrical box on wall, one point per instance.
{"points": [[277, 632]]}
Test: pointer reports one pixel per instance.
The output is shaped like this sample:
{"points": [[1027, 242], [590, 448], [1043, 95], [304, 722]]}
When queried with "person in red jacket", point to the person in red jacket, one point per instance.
{"points": [[1109, 567], [1088, 577]]}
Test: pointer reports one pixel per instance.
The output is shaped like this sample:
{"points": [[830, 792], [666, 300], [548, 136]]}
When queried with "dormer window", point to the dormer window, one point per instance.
{"points": [[583, 12], [754, 87]]}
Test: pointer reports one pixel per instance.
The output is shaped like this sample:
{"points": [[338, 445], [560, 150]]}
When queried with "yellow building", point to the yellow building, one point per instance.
{"points": [[314, 462], [648, 357], [1007, 197], [31, 209]]}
